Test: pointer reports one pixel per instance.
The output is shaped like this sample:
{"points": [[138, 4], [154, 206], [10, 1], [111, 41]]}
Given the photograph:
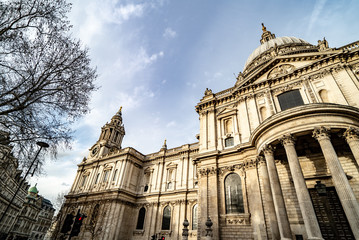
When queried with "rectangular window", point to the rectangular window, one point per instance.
{"points": [[228, 142], [290, 99]]}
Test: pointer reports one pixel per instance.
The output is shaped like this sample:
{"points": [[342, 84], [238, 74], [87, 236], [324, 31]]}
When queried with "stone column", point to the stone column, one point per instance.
{"points": [[282, 217], [267, 194], [352, 137], [305, 202], [340, 180]]}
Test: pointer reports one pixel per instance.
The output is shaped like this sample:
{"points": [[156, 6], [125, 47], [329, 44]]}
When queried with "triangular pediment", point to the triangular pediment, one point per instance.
{"points": [[280, 66], [226, 112]]}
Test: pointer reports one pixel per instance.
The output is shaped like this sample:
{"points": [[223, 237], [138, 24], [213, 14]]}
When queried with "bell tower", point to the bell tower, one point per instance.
{"points": [[111, 136]]}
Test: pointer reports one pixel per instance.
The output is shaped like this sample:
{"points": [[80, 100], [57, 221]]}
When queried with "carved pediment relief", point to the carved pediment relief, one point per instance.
{"points": [[280, 70]]}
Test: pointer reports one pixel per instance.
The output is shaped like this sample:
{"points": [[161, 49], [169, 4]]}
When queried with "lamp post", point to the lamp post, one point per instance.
{"points": [[42, 145]]}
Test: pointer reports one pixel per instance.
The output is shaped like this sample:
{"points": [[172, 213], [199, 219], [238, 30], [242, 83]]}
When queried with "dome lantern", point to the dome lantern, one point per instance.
{"points": [[266, 35]]}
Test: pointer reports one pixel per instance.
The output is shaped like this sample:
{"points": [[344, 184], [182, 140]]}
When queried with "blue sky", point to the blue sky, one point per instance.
{"points": [[156, 57]]}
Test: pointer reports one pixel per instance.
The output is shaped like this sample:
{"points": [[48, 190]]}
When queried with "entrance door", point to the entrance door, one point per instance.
{"points": [[330, 214]]}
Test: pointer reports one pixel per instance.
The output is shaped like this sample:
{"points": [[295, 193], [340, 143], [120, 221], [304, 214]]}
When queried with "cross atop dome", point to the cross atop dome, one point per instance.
{"points": [[266, 35]]}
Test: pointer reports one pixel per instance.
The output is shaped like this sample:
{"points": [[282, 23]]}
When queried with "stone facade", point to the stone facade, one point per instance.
{"points": [[44, 220], [10, 178], [274, 150]]}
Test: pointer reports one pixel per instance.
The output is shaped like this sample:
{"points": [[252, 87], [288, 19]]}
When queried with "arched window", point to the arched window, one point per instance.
{"points": [[114, 175], [83, 180], [324, 95], [290, 99], [194, 217], [105, 176], [94, 215], [263, 111], [166, 219], [97, 177], [141, 218], [233, 192], [228, 126]]}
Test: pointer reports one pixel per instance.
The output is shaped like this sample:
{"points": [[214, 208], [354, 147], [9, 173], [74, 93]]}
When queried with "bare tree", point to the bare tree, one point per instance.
{"points": [[60, 199], [45, 75]]}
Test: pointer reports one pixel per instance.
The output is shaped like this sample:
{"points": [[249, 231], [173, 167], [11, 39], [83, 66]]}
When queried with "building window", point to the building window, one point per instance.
{"points": [[194, 217], [83, 180], [94, 215], [141, 218], [263, 112], [105, 176], [228, 142], [324, 95], [166, 219], [97, 177], [114, 175], [228, 128], [234, 195], [145, 188], [290, 99]]}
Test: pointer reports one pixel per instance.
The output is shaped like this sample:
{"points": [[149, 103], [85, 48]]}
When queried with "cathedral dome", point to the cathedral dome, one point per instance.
{"points": [[281, 41], [269, 42]]}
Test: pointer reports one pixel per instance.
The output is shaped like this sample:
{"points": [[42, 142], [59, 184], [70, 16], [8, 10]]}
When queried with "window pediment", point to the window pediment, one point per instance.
{"points": [[171, 165], [229, 111]]}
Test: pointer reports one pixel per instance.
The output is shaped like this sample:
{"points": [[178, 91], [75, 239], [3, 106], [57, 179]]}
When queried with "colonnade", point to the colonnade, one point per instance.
{"points": [[340, 180]]}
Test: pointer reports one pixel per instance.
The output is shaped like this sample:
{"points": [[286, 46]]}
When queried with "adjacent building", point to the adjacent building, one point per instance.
{"points": [[44, 220], [277, 158], [10, 178], [29, 215]]}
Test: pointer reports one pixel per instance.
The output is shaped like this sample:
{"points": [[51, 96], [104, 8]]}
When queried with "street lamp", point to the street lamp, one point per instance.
{"points": [[42, 145]]}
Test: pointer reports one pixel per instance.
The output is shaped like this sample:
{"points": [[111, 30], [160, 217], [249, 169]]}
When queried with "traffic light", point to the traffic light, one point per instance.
{"points": [[69, 220], [77, 224], [162, 238]]}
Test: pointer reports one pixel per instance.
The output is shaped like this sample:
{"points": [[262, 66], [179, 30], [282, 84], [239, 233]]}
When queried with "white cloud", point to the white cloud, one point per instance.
{"points": [[96, 15], [169, 33], [127, 11], [315, 14], [171, 124]]}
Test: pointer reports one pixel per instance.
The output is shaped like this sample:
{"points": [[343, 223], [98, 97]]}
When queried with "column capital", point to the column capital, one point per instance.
{"points": [[260, 160], [321, 133], [351, 134], [268, 149], [287, 140]]}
